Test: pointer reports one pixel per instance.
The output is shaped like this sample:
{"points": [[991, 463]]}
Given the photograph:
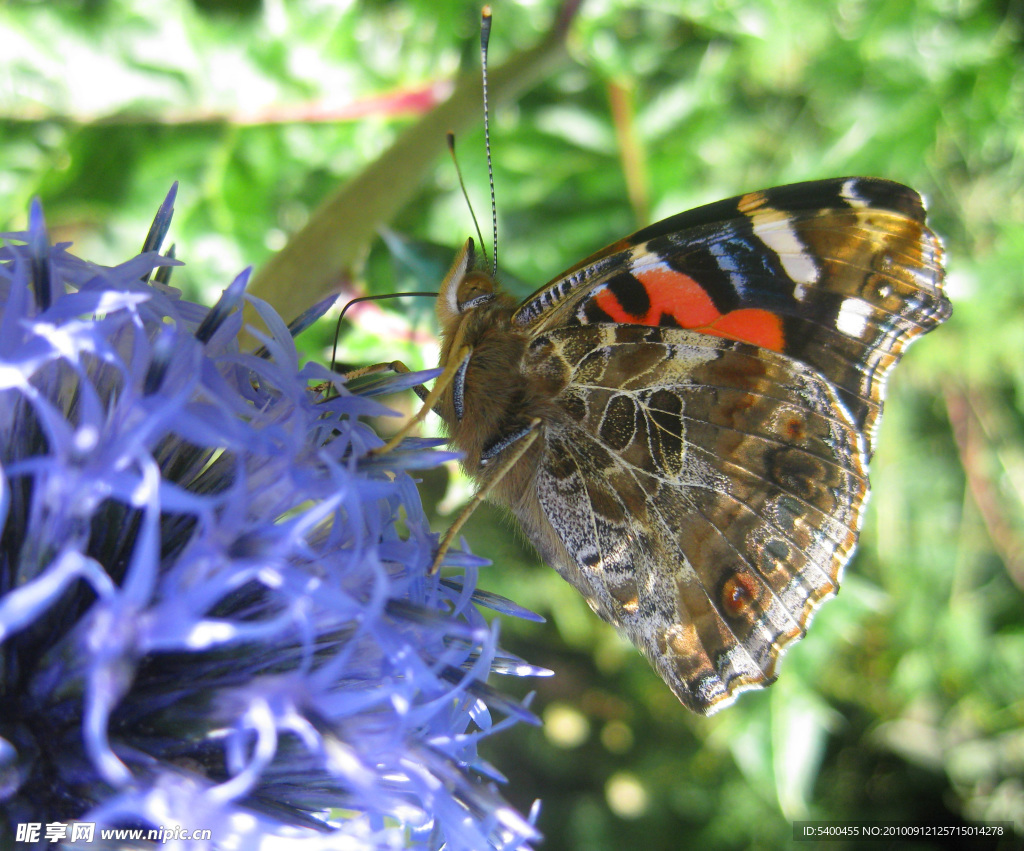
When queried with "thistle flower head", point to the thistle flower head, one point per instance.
{"points": [[215, 611]]}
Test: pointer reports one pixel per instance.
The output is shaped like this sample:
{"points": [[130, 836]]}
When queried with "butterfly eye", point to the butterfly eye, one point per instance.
{"points": [[474, 289]]}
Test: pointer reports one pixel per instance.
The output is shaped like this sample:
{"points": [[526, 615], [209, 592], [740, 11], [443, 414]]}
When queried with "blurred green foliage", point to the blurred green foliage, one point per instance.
{"points": [[906, 701]]}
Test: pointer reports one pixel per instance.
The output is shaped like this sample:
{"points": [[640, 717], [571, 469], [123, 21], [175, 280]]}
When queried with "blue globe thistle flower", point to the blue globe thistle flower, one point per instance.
{"points": [[215, 612]]}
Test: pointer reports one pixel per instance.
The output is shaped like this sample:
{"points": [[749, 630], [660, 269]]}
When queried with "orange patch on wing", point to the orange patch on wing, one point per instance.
{"points": [[689, 304], [751, 325]]}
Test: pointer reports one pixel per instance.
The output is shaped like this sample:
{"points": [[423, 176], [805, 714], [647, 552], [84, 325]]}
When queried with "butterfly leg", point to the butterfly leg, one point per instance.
{"points": [[441, 383], [395, 366], [519, 443]]}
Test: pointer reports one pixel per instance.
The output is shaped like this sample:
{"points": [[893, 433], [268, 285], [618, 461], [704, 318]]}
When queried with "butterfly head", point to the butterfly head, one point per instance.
{"points": [[480, 344], [464, 289]]}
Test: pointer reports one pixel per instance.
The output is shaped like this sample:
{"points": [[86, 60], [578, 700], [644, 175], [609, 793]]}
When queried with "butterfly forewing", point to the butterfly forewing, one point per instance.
{"points": [[841, 274]]}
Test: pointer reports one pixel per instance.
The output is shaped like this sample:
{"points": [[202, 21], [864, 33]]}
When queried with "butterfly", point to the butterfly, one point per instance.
{"points": [[682, 422]]}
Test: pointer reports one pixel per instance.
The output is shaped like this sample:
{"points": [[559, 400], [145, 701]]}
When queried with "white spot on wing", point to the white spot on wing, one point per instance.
{"points": [[853, 317], [850, 194], [773, 228]]}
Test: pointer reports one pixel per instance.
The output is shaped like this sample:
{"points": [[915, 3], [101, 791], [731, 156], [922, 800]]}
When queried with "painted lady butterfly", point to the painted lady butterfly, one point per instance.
{"points": [[683, 421]]}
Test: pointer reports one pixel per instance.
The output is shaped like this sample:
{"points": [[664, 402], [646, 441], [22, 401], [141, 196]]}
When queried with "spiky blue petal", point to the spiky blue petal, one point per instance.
{"points": [[215, 607]]}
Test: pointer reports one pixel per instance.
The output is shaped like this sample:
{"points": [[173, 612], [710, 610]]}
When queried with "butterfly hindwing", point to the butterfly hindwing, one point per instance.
{"points": [[707, 496]]}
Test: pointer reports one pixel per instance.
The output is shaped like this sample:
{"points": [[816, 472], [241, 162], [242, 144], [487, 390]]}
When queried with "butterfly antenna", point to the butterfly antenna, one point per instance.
{"points": [[465, 194], [344, 310], [485, 37]]}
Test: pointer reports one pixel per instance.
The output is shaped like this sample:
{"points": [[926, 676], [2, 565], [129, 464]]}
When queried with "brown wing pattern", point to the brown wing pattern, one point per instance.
{"points": [[706, 494]]}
